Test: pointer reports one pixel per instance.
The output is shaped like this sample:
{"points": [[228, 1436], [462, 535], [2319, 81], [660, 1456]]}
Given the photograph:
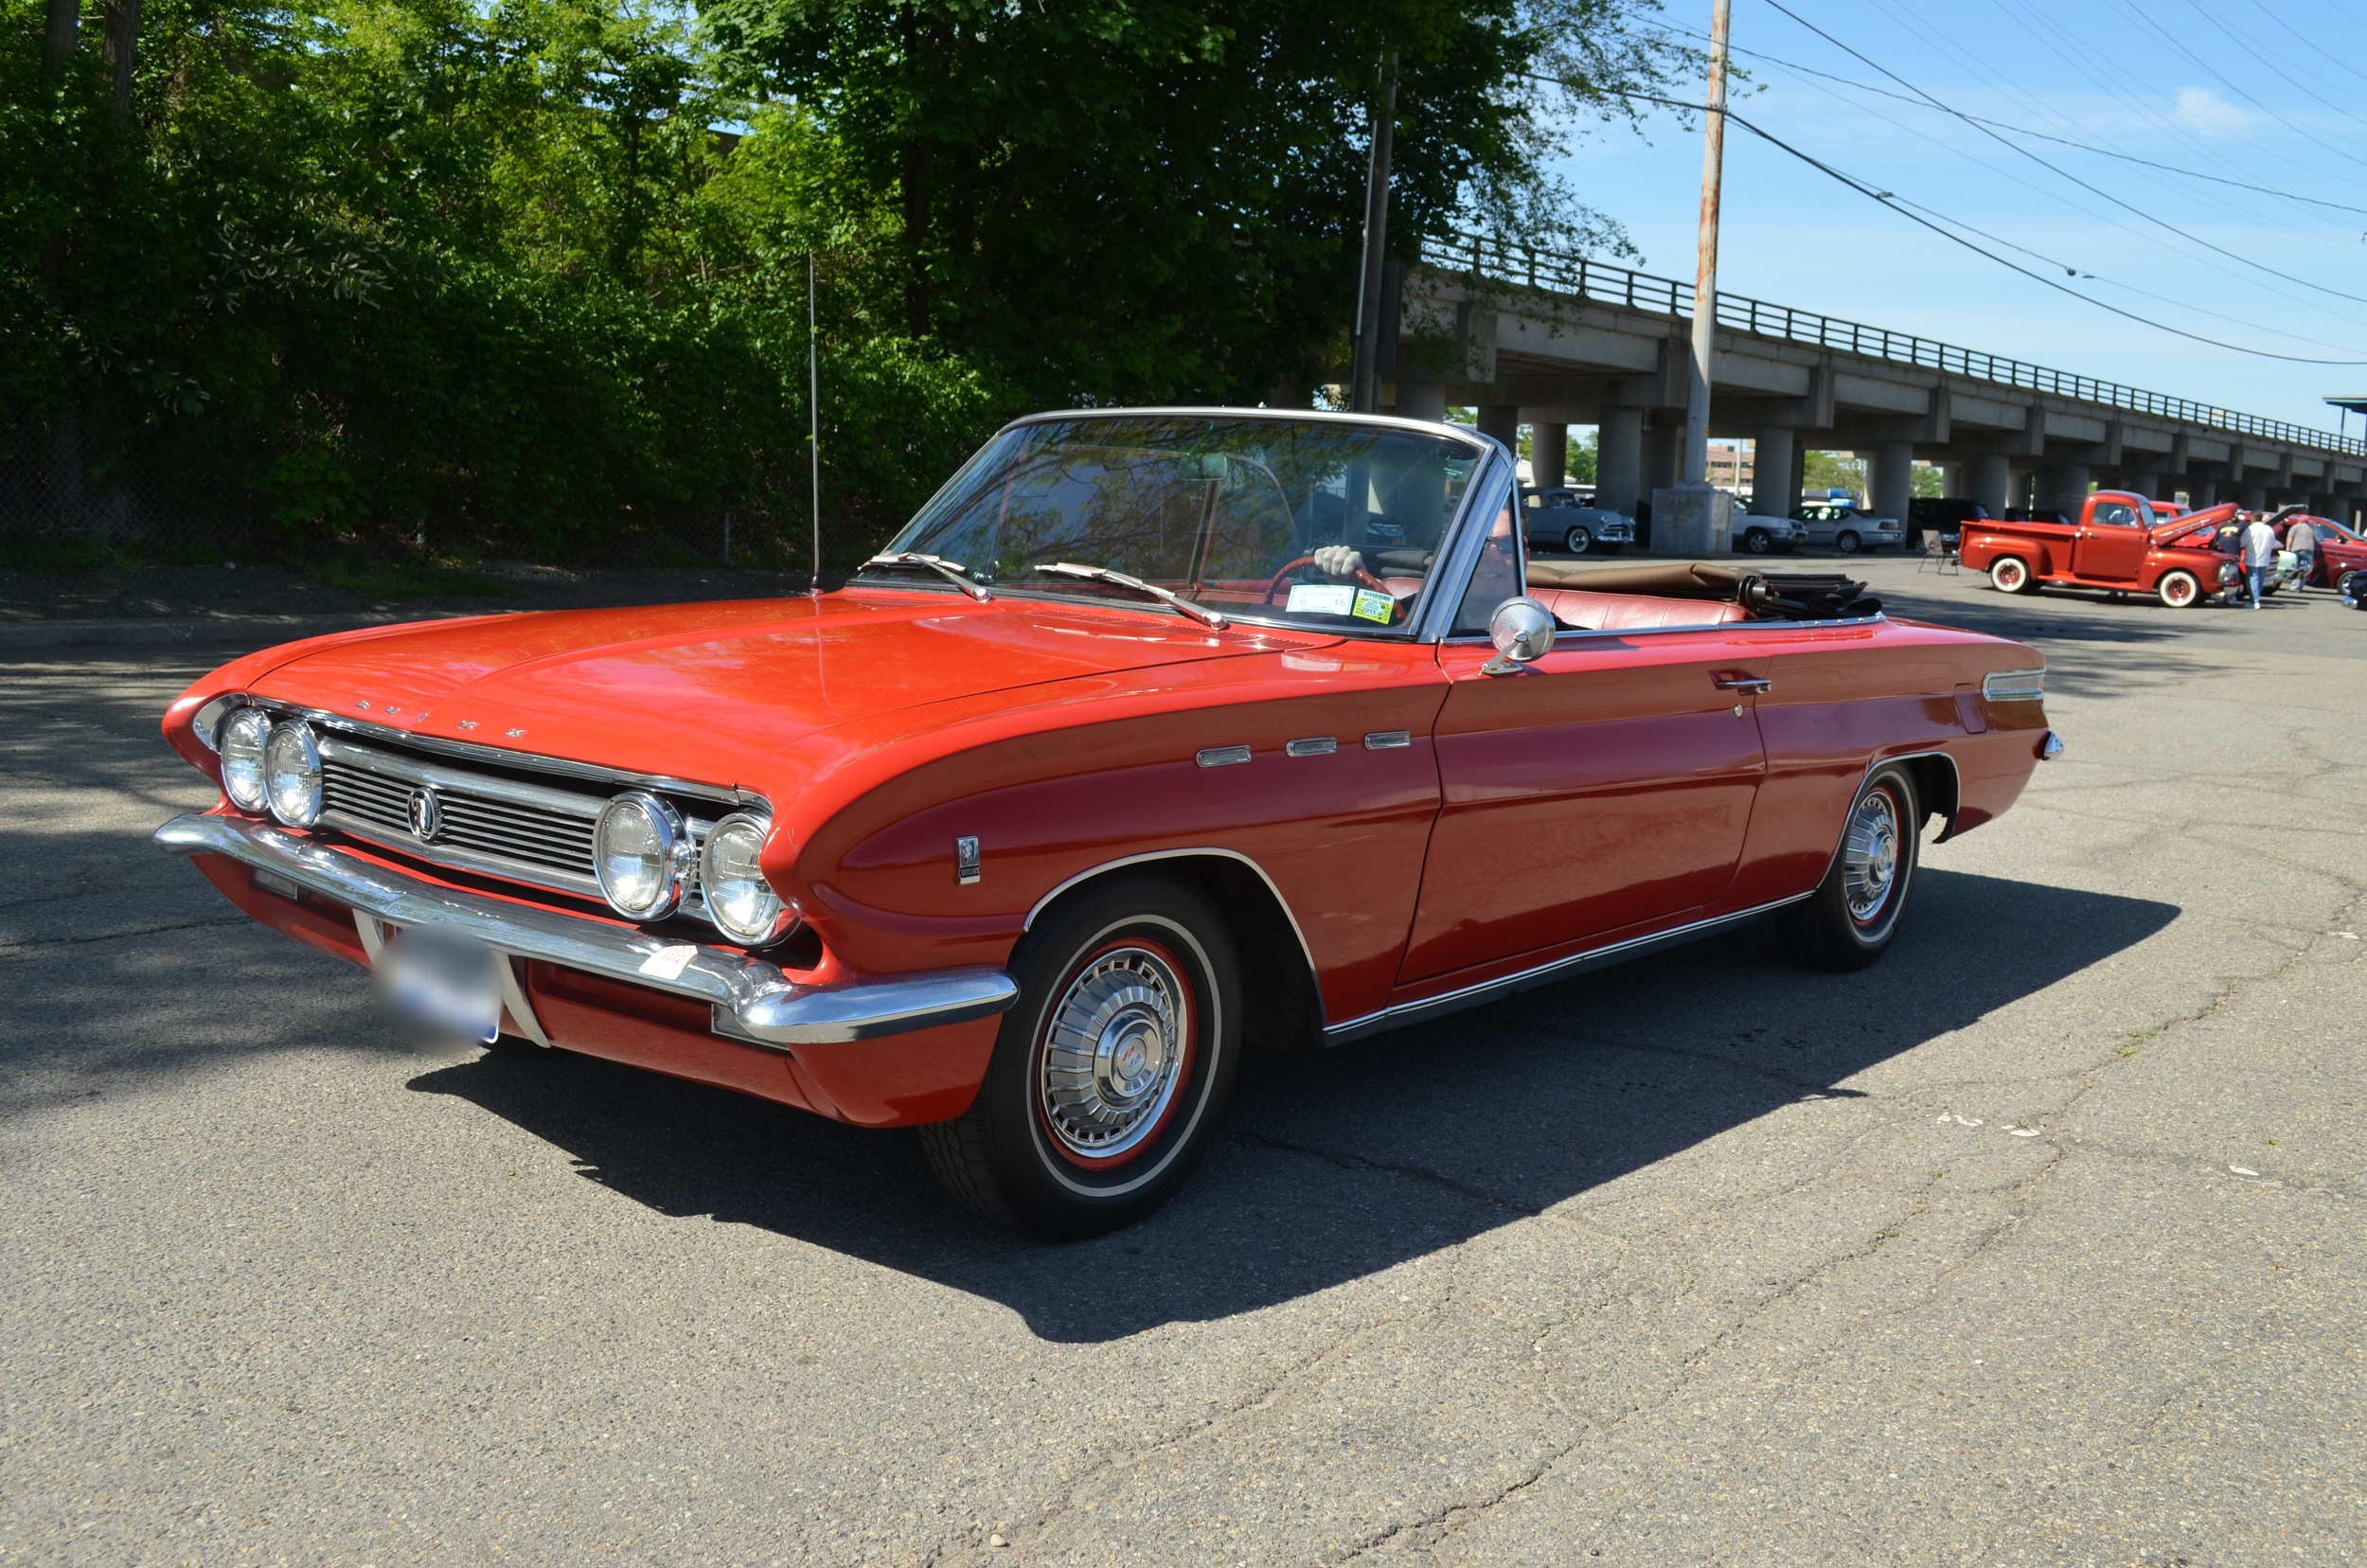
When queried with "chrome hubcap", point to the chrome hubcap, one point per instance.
{"points": [[1870, 857], [1113, 1053]]}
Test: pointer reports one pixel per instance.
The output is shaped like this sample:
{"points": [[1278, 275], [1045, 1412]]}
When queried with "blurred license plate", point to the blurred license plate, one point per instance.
{"points": [[447, 985]]}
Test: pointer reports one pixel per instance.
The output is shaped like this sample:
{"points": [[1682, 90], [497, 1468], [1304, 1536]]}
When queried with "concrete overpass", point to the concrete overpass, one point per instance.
{"points": [[1536, 338]]}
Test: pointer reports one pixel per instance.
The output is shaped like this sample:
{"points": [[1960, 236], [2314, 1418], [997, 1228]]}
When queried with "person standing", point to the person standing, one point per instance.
{"points": [[2301, 538], [2260, 553]]}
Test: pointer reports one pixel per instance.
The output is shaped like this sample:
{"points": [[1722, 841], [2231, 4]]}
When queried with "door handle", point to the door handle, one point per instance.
{"points": [[1753, 684]]}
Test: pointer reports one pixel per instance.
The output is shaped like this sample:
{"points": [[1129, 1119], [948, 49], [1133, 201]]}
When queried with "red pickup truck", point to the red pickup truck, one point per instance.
{"points": [[2115, 544]]}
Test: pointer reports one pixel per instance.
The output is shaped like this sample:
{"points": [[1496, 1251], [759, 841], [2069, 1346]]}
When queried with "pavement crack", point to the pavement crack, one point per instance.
{"points": [[38, 943], [1392, 1167]]}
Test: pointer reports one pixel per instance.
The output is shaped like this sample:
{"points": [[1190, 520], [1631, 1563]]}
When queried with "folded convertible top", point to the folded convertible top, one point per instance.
{"points": [[1766, 595]]}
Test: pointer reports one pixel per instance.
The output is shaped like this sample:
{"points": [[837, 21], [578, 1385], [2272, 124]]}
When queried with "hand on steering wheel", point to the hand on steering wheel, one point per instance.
{"points": [[1334, 560]]}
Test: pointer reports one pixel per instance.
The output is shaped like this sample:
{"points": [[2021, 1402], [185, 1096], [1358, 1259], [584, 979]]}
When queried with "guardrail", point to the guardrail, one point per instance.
{"points": [[1583, 277]]}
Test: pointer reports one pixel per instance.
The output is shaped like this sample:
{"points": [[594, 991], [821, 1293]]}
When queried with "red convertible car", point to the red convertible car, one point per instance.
{"points": [[2117, 543], [1155, 735]]}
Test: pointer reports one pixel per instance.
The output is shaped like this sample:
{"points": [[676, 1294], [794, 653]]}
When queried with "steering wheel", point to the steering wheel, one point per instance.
{"points": [[1362, 576]]}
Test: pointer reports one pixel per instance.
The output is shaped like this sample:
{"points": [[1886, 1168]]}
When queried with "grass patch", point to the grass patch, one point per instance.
{"points": [[44, 553], [376, 578]]}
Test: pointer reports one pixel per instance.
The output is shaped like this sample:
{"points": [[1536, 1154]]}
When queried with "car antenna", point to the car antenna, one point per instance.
{"points": [[813, 416]]}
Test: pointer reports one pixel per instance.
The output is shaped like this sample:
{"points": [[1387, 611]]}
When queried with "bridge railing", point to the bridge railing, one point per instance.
{"points": [[1508, 261]]}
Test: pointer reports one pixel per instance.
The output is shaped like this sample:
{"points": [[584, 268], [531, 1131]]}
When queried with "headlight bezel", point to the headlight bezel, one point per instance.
{"points": [[673, 856], [244, 774], [300, 808], [773, 916]]}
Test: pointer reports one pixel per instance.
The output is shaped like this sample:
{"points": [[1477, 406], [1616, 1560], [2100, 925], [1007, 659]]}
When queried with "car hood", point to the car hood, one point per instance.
{"points": [[2216, 516], [702, 691]]}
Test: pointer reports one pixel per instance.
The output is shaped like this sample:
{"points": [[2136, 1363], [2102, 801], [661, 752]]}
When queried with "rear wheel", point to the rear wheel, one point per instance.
{"points": [[2179, 590], [1577, 540], [2010, 574], [1846, 542], [1849, 920], [1107, 1078]]}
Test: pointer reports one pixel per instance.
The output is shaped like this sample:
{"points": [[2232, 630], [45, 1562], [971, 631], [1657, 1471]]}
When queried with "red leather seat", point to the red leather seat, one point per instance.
{"points": [[1620, 612]]}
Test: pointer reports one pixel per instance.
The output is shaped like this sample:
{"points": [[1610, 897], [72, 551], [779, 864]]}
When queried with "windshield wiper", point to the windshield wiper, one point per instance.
{"points": [[1104, 574], [951, 571]]}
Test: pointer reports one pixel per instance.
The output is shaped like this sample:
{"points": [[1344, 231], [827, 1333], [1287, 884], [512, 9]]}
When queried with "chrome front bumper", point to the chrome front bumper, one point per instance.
{"points": [[752, 1000]]}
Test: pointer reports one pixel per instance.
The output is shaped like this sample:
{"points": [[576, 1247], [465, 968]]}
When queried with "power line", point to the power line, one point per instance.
{"points": [[2126, 206], [2037, 136], [1890, 200]]}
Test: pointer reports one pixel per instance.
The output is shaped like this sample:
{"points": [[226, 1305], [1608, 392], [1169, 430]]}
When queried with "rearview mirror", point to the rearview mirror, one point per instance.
{"points": [[1522, 630]]}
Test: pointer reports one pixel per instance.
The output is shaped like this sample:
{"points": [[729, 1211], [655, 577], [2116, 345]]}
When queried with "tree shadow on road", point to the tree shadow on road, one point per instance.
{"points": [[1337, 1163]]}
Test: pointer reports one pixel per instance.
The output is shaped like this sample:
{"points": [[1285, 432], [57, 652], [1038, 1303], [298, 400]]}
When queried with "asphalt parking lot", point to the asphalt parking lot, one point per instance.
{"points": [[2045, 1240]]}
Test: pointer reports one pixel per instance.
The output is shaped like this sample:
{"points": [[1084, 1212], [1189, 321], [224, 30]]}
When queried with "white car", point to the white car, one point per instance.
{"points": [[1850, 529], [1755, 533]]}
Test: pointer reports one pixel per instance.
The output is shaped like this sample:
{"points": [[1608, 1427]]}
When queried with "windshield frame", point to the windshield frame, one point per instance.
{"points": [[1456, 556]]}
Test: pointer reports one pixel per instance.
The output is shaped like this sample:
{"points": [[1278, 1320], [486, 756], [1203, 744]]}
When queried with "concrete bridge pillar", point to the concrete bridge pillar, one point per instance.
{"points": [[1422, 401], [1774, 473], [1549, 453], [1503, 421], [2144, 484], [1892, 478], [2255, 498], [1619, 460], [1664, 445], [1992, 482], [2064, 488]]}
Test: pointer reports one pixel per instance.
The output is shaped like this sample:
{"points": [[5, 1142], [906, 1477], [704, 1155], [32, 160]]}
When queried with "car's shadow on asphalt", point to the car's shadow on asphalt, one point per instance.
{"points": [[1337, 1164]]}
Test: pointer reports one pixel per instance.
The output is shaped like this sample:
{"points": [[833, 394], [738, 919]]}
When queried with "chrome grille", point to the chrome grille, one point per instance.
{"points": [[545, 840], [535, 833]]}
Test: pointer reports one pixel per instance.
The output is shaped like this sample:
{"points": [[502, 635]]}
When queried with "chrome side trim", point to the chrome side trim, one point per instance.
{"points": [[760, 1004], [1544, 974], [1202, 852], [1954, 773]]}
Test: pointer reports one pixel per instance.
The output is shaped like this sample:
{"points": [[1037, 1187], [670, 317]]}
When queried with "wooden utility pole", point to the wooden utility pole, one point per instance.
{"points": [[1364, 369], [1697, 468]]}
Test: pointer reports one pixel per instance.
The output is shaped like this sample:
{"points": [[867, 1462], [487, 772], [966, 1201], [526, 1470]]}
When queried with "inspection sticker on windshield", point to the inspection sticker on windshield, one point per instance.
{"points": [[1374, 607], [1321, 598]]}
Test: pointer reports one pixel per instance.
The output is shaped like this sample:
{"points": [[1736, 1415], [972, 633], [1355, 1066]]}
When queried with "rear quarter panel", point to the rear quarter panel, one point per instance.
{"points": [[1845, 698]]}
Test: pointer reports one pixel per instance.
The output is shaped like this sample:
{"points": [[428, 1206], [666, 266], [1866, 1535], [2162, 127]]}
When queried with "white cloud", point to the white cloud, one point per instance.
{"points": [[2206, 111]]}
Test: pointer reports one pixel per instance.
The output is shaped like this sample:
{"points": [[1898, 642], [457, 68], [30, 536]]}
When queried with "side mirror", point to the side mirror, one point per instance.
{"points": [[1522, 630]]}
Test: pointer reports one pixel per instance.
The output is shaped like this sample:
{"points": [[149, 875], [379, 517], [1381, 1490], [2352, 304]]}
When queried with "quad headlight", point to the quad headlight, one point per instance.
{"points": [[292, 772], [739, 899], [241, 744], [642, 851]]}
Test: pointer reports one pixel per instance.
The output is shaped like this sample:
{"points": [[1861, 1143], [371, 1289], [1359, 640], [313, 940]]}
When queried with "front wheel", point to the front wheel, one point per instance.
{"points": [[1849, 920], [1109, 1076], [1846, 542], [1578, 542], [1758, 542], [2179, 590], [2010, 574]]}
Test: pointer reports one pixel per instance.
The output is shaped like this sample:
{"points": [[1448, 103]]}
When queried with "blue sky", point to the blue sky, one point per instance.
{"points": [[2269, 93]]}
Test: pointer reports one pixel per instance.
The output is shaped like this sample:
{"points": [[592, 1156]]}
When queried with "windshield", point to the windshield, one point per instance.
{"points": [[1315, 523]]}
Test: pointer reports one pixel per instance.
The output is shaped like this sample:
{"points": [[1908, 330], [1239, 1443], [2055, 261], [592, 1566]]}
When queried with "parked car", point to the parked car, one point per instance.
{"points": [[2340, 549], [1559, 520], [1153, 735], [1755, 533], [2114, 545], [1850, 529], [1944, 515]]}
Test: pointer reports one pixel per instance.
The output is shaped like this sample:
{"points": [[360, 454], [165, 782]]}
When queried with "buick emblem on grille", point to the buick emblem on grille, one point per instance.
{"points": [[427, 814]]}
